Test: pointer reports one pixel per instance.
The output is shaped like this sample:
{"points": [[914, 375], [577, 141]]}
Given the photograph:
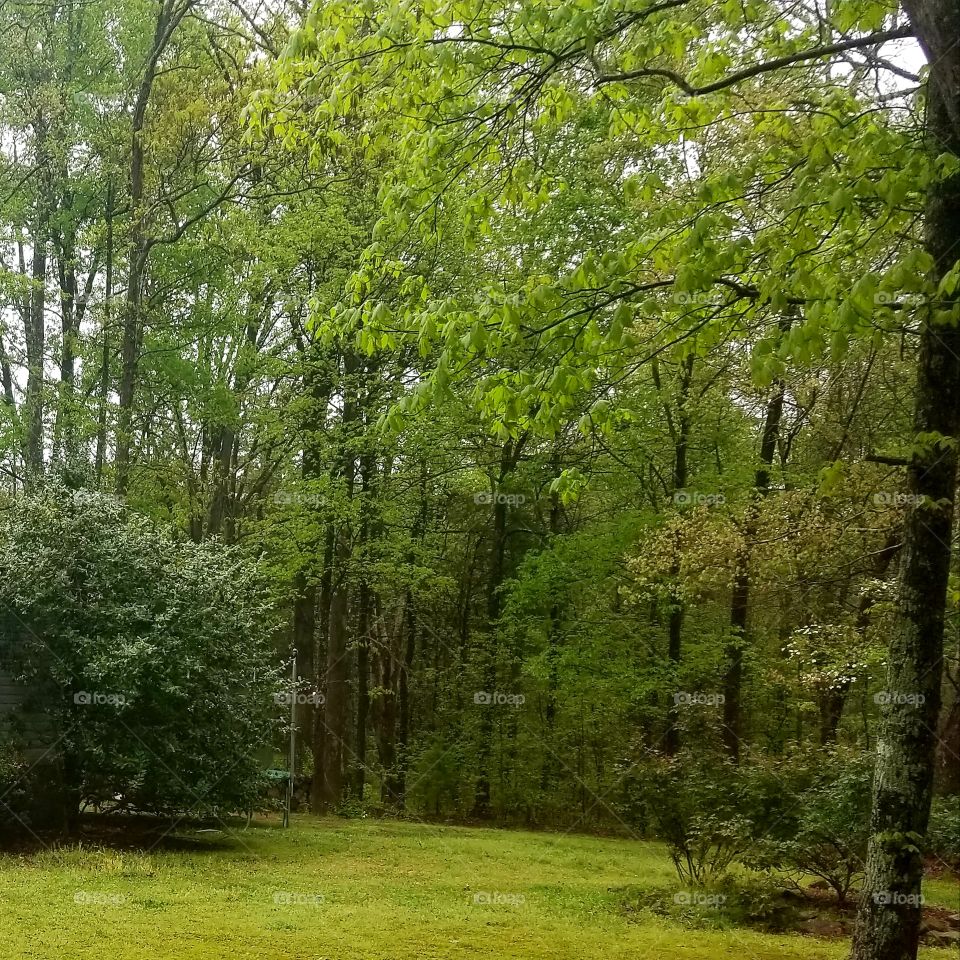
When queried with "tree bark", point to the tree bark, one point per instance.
{"points": [[888, 919]]}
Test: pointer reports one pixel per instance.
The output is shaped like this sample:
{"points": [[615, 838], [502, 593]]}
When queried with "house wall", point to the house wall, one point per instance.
{"points": [[36, 801], [11, 694], [29, 731]]}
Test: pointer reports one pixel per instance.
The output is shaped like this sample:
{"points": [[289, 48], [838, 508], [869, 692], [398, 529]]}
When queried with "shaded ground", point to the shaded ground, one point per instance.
{"points": [[121, 832], [813, 910], [363, 890]]}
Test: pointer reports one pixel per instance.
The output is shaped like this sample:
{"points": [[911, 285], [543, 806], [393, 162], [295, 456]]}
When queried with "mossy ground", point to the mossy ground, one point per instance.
{"points": [[362, 890]]}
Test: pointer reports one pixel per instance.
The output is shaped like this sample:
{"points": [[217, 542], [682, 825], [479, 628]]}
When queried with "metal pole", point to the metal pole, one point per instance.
{"points": [[291, 763]]}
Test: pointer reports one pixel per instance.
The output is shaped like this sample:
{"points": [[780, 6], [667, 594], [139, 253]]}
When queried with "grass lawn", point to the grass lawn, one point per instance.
{"points": [[363, 890]]}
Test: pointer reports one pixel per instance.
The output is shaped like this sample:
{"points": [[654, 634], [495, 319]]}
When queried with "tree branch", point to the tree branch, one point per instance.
{"points": [[898, 33]]}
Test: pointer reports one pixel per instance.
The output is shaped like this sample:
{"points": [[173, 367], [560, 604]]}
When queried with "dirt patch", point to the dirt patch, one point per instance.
{"points": [[819, 915]]}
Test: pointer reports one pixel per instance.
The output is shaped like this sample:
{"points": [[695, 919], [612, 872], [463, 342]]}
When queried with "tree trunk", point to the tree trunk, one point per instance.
{"points": [[403, 702], [740, 598], [548, 771], [169, 16], [510, 456], [888, 919], [680, 433], [304, 635], [35, 311], [395, 655], [387, 719], [321, 646], [363, 633], [105, 333], [71, 311], [338, 663], [337, 679]]}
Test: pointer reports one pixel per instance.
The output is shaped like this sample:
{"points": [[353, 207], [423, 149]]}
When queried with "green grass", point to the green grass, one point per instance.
{"points": [[360, 890]]}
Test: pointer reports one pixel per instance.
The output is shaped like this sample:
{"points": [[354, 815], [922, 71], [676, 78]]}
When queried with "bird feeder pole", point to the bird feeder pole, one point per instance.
{"points": [[291, 761]]}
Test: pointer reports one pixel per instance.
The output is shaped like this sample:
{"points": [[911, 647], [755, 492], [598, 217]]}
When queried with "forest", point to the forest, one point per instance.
{"points": [[531, 424]]}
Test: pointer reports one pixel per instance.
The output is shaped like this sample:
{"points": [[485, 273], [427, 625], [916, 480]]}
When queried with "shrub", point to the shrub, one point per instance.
{"points": [[822, 824], [736, 901], [807, 813], [943, 833], [694, 804], [151, 655], [13, 801]]}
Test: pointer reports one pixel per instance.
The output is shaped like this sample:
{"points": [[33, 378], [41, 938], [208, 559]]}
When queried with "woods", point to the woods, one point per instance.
{"points": [[567, 391]]}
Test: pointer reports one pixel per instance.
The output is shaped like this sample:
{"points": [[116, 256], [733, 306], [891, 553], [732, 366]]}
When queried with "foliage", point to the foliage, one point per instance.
{"points": [[695, 804], [14, 796], [822, 824], [943, 837], [805, 814], [732, 902], [151, 653], [467, 324]]}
